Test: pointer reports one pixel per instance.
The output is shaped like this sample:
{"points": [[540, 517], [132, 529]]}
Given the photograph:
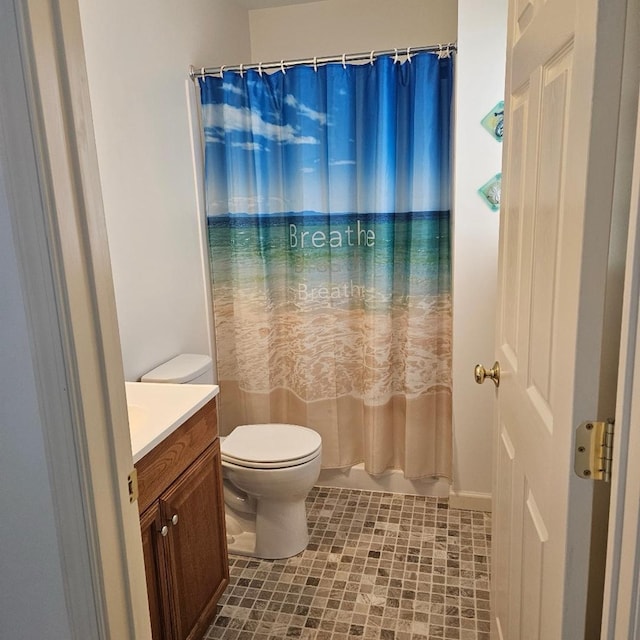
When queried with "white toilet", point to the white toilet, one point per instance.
{"points": [[268, 471]]}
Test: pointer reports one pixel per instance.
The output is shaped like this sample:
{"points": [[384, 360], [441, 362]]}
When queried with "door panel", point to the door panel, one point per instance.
{"points": [[513, 229], [547, 215], [534, 537], [525, 13], [503, 543]]}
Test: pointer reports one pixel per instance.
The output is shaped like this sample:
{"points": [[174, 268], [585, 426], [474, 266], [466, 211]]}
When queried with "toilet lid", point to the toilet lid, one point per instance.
{"points": [[272, 445]]}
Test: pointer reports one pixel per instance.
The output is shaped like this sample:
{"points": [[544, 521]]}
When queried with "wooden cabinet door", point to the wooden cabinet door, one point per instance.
{"points": [[197, 557], [154, 551]]}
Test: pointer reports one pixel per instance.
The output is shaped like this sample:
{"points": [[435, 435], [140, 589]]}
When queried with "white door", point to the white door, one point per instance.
{"points": [[562, 93]]}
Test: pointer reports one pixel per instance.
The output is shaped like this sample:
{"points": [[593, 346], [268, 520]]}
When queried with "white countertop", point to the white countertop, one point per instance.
{"points": [[156, 410]]}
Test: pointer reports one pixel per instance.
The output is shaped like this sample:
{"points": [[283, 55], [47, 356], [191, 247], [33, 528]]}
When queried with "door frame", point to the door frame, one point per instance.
{"points": [[73, 328], [621, 602], [48, 163]]}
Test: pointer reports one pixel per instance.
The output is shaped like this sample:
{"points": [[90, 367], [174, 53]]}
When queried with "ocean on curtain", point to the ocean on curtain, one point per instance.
{"points": [[328, 197]]}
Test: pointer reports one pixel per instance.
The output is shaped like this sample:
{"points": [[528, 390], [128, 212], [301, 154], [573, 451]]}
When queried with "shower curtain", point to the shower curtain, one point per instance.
{"points": [[328, 197]]}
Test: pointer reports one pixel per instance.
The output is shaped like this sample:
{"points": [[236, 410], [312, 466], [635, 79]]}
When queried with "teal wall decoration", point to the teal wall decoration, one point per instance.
{"points": [[493, 122], [490, 192]]}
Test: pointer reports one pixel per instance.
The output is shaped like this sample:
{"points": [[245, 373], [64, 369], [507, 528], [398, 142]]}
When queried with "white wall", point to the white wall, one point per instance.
{"points": [[138, 55], [352, 26], [482, 28], [336, 26]]}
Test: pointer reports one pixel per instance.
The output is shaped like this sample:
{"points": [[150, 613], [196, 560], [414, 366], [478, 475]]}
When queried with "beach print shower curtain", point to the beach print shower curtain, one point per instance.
{"points": [[328, 198]]}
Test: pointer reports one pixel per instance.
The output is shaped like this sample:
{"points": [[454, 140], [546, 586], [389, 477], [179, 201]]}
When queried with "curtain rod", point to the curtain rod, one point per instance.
{"points": [[443, 50]]}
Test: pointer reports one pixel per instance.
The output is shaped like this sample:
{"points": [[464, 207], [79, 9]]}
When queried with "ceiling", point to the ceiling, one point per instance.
{"points": [[267, 4]]}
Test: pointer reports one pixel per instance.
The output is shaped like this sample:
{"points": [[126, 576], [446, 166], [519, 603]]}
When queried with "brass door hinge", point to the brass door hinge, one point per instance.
{"points": [[132, 481], [594, 450]]}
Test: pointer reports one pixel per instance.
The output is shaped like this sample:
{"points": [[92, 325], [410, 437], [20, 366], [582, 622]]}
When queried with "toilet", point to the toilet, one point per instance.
{"points": [[268, 470]]}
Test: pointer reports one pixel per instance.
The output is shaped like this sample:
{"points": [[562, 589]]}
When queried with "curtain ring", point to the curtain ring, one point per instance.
{"points": [[344, 60], [222, 71], [371, 58], [315, 63], [409, 55], [202, 73], [395, 57], [282, 67], [241, 70], [260, 68]]}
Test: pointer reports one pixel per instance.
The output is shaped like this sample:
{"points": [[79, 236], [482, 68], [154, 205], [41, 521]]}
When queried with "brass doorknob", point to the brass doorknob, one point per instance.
{"points": [[481, 373]]}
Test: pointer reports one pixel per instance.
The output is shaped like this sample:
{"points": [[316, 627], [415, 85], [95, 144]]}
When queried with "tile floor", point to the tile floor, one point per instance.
{"points": [[378, 565]]}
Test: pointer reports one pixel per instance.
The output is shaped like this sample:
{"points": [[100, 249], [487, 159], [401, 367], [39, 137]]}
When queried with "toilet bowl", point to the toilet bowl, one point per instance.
{"points": [[268, 471]]}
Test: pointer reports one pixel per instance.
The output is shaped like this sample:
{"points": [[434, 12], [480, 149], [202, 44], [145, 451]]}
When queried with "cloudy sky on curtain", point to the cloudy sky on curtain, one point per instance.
{"points": [[328, 198]]}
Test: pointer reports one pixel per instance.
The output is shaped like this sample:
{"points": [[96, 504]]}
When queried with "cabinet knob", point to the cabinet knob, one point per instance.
{"points": [[164, 531], [174, 519]]}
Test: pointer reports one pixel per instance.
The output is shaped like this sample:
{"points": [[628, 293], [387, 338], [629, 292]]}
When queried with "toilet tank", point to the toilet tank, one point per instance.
{"points": [[187, 367]]}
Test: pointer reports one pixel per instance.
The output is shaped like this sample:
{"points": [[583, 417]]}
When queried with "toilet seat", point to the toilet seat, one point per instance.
{"points": [[270, 446], [284, 464]]}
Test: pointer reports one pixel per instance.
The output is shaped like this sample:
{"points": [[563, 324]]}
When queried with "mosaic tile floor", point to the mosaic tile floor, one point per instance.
{"points": [[378, 565]]}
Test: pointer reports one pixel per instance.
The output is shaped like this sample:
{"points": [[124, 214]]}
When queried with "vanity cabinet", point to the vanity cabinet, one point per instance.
{"points": [[183, 532]]}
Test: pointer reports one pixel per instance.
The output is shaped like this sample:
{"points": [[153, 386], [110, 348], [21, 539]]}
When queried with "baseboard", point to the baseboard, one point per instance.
{"points": [[392, 481], [470, 500]]}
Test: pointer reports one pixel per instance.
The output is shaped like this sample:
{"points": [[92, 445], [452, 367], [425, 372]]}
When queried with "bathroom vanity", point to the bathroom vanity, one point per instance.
{"points": [[176, 450]]}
